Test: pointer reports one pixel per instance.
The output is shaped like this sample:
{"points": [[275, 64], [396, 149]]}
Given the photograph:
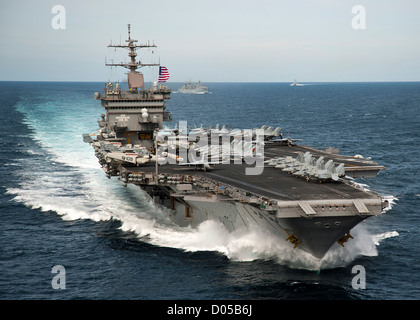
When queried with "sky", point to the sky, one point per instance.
{"points": [[214, 40]]}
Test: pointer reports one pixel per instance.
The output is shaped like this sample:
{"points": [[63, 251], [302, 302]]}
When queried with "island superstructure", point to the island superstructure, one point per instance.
{"points": [[132, 115], [305, 196]]}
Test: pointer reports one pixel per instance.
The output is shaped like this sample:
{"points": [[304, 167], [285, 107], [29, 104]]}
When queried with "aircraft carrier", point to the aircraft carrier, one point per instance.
{"points": [[243, 178]]}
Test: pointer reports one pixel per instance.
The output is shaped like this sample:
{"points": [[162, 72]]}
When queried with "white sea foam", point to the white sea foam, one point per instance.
{"points": [[391, 201], [382, 236], [249, 245]]}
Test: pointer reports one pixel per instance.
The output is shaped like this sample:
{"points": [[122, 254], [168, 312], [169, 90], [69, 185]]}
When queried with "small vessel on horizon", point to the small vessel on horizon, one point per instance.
{"points": [[194, 88], [295, 84]]}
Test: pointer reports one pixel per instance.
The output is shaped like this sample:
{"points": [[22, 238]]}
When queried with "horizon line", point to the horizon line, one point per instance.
{"points": [[95, 81]]}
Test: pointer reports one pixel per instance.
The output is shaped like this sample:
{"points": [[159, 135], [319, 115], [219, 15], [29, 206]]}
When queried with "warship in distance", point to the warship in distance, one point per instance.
{"points": [[194, 88], [303, 195]]}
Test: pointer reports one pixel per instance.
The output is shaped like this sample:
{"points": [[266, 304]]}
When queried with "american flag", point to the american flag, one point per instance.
{"points": [[163, 74]]}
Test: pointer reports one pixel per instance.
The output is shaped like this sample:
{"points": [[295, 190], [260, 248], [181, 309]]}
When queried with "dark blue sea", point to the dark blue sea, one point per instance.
{"points": [[57, 208]]}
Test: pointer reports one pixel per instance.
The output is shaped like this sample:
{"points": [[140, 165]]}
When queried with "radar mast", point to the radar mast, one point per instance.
{"points": [[135, 79]]}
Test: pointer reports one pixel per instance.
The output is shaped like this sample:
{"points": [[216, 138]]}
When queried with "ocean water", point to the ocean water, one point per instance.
{"points": [[58, 208]]}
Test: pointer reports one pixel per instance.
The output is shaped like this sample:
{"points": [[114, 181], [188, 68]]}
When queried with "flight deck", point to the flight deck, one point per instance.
{"points": [[273, 183]]}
